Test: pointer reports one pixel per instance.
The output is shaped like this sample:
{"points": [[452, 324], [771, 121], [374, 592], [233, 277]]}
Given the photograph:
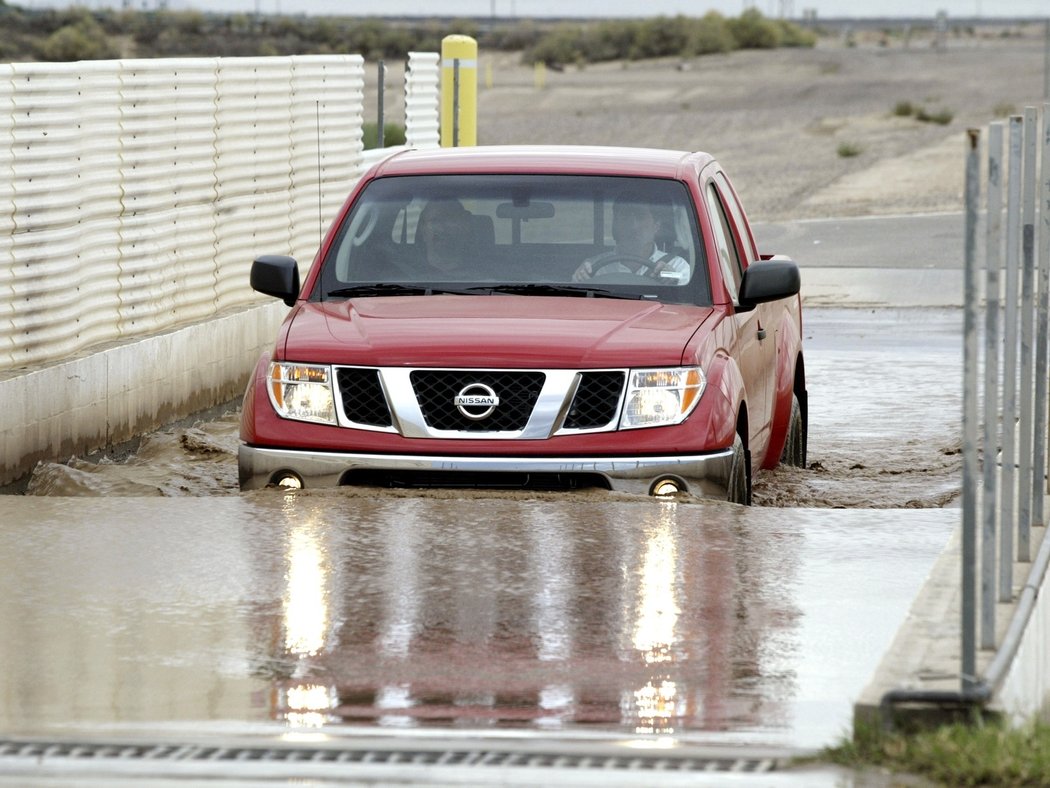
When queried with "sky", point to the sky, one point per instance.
{"points": [[586, 8]]}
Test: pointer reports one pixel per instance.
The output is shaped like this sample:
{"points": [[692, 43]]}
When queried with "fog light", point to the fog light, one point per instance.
{"points": [[666, 487], [288, 481]]}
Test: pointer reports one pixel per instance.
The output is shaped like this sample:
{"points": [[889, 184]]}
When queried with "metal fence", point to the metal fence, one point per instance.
{"points": [[1005, 441], [134, 194]]}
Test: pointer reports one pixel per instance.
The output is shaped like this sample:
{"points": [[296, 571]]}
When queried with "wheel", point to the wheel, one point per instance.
{"points": [[794, 453], [739, 475]]}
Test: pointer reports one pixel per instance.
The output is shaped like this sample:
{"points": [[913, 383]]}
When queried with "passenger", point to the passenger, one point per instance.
{"points": [[634, 229], [445, 234]]}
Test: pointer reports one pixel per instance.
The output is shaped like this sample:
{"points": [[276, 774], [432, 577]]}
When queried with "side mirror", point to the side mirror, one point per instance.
{"points": [[277, 276], [769, 280]]}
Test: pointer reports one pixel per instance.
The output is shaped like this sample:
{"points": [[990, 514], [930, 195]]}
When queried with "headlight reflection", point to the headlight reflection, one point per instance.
{"points": [[655, 707]]}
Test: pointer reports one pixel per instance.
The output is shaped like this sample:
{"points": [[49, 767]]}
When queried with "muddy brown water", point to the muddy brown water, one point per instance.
{"points": [[151, 594], [885, 398], [711, 622]]}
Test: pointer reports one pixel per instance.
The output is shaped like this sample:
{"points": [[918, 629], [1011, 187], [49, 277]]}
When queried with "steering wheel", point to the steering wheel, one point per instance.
{"points": [[631, 261]]}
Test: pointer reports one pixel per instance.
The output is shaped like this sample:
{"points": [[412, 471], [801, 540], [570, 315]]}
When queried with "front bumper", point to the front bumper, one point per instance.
{"points": [[705, 475]]}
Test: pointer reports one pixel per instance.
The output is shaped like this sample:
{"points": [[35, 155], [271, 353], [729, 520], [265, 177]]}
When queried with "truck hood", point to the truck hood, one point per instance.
{"points": [[493, 331]]}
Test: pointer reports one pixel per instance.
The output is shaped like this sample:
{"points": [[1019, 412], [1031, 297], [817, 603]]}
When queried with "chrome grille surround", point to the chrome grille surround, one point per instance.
{"points": [[545, 401]]}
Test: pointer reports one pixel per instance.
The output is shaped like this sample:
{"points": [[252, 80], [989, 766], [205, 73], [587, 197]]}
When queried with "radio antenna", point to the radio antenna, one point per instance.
{"points": [[320, 212]]}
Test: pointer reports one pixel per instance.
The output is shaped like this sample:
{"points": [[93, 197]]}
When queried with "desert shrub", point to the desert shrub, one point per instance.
{"points": [[848, 150], [904, 109], [710, 35], [82, 40], [751, 30], [660, 37], [393, 134], [941, 117], [561, 45], [792, 35]]}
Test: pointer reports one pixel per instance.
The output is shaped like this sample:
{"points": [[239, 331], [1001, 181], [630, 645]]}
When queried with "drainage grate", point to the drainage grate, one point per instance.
{"points": [[48, 752]]}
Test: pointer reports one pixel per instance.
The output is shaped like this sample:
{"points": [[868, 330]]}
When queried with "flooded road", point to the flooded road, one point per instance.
{"points": [[150, 595], [267, 612], [885, 399]]}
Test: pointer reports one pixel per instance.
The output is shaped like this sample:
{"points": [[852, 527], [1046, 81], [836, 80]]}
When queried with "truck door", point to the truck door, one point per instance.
{"points": [[755, 341]]}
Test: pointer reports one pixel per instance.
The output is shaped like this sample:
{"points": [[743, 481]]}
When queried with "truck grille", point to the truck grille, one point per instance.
{"points": [[596, 402], [363, 400], [517, 391]]}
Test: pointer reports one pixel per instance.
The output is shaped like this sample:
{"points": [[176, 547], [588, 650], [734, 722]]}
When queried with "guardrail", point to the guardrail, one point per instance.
{"points": [[134, 194]]}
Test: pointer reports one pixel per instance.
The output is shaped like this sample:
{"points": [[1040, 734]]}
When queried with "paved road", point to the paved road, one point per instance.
{"points": [[913, 242], [881, 261]]}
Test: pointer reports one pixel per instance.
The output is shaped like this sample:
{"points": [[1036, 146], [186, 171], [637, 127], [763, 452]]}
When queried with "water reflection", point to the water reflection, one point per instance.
{"points": [[515, 612], [321, 610], [307, 622], [657, 706]]}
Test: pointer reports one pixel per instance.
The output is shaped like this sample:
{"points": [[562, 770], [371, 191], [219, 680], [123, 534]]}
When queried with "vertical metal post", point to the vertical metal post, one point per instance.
{"points": [[1046, 62], [1024, 483], [455, 103], [1008, 486], [992, 262], [969, 444], [1042, 345], [380, 132]]}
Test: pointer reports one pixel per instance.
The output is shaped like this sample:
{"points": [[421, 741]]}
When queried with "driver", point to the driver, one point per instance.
{"points": [[634, 229], [444, 234]]}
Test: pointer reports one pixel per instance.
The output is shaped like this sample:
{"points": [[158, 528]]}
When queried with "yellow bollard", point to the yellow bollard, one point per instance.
{"points": [[540, 75], [459, 89]]}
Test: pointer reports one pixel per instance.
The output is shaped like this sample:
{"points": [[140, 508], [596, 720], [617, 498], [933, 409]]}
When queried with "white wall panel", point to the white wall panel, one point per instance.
{"points": [[167, 150], [326, 127], [46, 204], [99, 210], [7, 218], [253, 116], [135, 194], [422, 123]]}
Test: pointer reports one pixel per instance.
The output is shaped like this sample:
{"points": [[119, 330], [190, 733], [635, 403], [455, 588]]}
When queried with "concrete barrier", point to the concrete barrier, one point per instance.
{"points": [[120, 391]]}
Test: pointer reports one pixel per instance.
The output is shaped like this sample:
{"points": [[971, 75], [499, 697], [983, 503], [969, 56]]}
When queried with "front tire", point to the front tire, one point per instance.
{"points": [[739, 487], [794, 453]]}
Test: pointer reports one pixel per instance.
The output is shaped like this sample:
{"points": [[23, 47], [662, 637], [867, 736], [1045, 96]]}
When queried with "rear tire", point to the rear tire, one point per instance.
{"points": [[739, 487], [794, 453]]}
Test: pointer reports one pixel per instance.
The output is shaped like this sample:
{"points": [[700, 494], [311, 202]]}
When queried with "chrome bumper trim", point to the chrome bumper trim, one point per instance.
{"points": [[704, 475]]}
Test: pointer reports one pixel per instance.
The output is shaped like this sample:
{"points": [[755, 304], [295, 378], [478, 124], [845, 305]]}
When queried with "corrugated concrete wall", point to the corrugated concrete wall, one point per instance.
{"points": [[133, 197]]}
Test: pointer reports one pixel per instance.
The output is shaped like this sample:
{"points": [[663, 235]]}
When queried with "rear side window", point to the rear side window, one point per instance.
{"points": [[728, 257], [640, 234]]}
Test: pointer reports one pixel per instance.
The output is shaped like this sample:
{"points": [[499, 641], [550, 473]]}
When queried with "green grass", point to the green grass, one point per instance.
{"points": [[975, 754]]}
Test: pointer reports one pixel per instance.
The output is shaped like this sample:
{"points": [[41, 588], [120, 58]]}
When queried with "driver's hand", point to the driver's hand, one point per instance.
{"points": [[583, 273]]}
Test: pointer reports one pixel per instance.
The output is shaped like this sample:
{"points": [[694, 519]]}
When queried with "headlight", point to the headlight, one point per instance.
{"points": [[302, 392], [657, 397]]}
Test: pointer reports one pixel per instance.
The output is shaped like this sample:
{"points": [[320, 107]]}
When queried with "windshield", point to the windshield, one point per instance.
{"points": [[571, 234]]}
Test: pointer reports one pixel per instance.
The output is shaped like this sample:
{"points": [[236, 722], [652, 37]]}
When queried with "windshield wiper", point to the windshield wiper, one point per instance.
{"points": [[570, 290], [392, 289]]}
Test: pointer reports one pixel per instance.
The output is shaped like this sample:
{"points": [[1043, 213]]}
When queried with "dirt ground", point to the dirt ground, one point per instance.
{"points": [[776, 120]]}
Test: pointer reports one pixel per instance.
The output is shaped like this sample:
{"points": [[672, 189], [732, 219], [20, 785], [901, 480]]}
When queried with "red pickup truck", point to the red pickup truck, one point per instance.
{"points": [[536, 317]]}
